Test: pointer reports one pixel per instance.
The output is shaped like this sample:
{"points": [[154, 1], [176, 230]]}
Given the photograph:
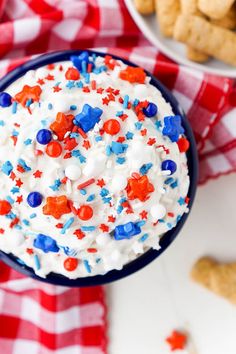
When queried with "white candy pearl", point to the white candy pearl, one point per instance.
{"points": [[118, 183], [73, 172], [158, 211]]}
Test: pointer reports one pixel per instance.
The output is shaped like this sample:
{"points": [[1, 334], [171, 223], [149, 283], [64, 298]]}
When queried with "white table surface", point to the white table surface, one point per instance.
{"points": [[148, 305]]}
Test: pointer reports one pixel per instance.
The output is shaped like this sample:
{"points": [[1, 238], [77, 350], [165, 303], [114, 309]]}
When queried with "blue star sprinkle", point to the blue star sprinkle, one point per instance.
{"points": [[89, 116], [172, 127]]}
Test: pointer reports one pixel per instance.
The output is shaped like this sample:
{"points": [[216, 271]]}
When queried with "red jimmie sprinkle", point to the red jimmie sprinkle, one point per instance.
{"points": [[86, 184], [82, 133]]}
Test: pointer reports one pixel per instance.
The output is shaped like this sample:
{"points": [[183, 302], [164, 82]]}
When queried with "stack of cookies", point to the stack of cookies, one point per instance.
{"points": [[205, 26]]}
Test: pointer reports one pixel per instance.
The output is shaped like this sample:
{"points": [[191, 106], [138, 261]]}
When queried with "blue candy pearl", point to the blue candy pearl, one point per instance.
{"points": [[169, 165], [34, 199], [44, 136], [150, 110], [5, 99]]}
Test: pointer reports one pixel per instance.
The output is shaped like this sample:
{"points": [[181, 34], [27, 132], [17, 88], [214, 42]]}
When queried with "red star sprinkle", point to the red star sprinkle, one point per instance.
{"points": [[111, 218], [40, 82], [38, 174], [151, 141], [27, 93], [2, 231], [86, 144], [56, 206], [177, 340], [19, 199], [12, 176], [79, 234], [141, 116], [50, 66], [101, 183], [143, 214], [56, 89], [49, 77], [121, 139], [100, 90], [105, 101], [139, 188], [86, 89], [19, 182], [62, 124], [104, 228], [143, 132], [133, 74], [29, 250]]}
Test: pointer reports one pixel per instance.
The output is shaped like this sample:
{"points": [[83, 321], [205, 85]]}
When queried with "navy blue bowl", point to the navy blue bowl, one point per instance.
{"points": [[167, 238]]}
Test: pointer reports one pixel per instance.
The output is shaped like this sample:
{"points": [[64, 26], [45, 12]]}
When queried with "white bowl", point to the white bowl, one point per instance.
{"points": [[173, 49]]}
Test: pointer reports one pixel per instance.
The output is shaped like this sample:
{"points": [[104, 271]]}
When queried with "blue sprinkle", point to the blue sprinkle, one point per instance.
{"points": [[50, 106], [108, 150], [143, 238], [67, 225], [161, 221], [83, 191], [126, 231], [2, 123], [20, 261], [15, 190], [88, 117], [26, 222], [106, 200], [104, 192], [44, 122], [178, 218], [23, 164], [172, 127], [32, 216], [98, 260], [28, 142], [98, 138], [36, 262], [120, 160], [90, 197], [82, 159], [73, 107], [138, 125], [11, 215], [181, 201], [56, 185], [129, 135], [145, 168], [14, 132], [84, 66], [7, 168], [87, 266], [74, 135], [119, 209], [87, 78], [18, 227], [80, 84], [76, 153], [169, 225], [141, 223], [126, 101], [11, 201], [70, 84], [174, 184], [88, 228], [158, 124], [57, 83], [118, 148], [119, 113], [28, 102], [169, 180], [14, 107], [136, 102]]}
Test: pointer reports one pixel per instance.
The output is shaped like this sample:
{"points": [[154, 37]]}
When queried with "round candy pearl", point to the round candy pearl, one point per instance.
{"points": [[169, 165], [158, 211], [54, 149], [34, 199], [183, 144], [85, 212], [5, 99], [73, 172], [111, 126], [5, 207], [44, 136], [70, 264], [150, 110]]}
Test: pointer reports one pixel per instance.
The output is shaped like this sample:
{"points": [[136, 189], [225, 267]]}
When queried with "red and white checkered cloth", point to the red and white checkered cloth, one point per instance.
{"points": [[38, 318]]}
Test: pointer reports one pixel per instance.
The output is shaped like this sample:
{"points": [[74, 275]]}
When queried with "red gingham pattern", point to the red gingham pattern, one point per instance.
{"points": [[42, 319]]}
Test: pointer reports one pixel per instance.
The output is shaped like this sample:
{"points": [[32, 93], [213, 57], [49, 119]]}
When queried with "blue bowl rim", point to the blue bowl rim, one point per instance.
{"points": [[167, 238]]}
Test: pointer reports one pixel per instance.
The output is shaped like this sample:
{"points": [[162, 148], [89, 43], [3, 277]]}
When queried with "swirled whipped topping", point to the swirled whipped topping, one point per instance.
{"points": [[93, 167]]}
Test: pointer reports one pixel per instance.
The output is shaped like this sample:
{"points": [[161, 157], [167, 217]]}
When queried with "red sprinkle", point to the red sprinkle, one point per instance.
{"points": [[82, 133], [29, 250], [176, 340], [86, 184], [79, 234], [101, 183], [104, 228], [14, 222], [92, 250], [2, 231], [93, 85]]}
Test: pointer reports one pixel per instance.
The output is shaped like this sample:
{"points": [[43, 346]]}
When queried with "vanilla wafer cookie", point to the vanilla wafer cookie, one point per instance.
{"points": [[229, 20], [206, 37], [145, 7], [167, 12], [189, 7], [215, 9]]}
